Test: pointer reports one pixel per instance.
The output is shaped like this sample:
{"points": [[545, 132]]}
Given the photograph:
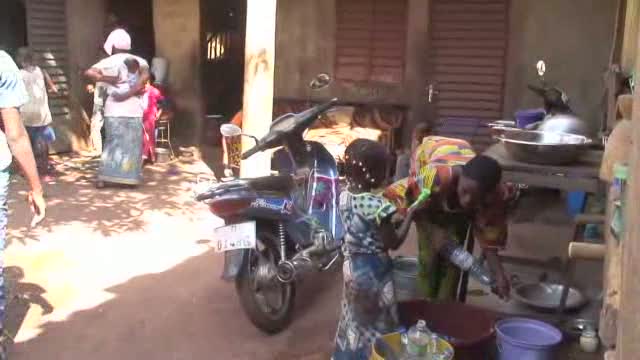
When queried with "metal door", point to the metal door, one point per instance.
{"points": [[467, 63], [47, 37]]}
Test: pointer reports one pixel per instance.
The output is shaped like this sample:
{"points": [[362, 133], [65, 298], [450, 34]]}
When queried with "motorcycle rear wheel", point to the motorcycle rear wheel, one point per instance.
{"points": [[257, 299]]}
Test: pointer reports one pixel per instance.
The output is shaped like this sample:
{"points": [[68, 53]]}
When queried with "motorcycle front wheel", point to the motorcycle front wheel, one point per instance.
{"points": [[268, 303]]}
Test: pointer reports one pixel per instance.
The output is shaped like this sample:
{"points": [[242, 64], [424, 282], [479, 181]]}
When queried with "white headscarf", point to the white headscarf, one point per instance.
{"points": [[118, 39]]}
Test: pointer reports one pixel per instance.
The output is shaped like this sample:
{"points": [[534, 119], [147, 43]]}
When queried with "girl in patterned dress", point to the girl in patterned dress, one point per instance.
{"points": [[368, 304]]}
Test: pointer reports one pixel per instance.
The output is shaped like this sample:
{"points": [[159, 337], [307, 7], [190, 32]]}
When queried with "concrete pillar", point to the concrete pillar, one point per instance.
{"points": [[258, 81]]}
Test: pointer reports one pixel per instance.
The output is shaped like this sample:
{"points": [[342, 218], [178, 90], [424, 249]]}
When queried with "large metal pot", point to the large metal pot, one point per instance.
{"points": [[564, 123], [540, 147]]}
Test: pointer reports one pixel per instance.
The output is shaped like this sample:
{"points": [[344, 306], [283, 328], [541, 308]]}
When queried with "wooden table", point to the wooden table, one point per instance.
{"points": [[579, 176]]}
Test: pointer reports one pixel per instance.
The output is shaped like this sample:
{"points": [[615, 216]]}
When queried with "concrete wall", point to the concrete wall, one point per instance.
{"points": [[85, 23], [177, 31], [305, 46], [574, 37]]}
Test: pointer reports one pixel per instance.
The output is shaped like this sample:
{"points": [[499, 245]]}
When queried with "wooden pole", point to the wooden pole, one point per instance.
{"points": [[258, 82], [613, 75], [628, 344], [631, 30]]}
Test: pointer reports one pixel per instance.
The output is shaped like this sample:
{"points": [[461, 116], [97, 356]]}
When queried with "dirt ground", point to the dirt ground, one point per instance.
{"points": [[130, 274]]}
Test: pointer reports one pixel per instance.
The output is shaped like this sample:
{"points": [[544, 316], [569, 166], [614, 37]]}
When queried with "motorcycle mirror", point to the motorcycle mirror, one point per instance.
{"points": [[321, 81], [230, 130], [541, 66]]}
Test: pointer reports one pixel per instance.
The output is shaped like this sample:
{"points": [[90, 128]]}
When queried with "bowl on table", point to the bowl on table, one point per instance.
{"points": [[546, 148]]}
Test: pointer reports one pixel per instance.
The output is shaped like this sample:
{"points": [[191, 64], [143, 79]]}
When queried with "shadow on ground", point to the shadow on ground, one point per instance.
{"points": [[186, 313], [108, 211]]}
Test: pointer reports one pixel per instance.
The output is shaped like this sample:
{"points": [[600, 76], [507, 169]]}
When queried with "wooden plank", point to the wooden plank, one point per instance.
{"points": [[469, 52], [352, 52], [448, 88], [474, 114], [460, 60], [469, 44], [476, 8], [588, 166], [439, 26], [473, 70], [387, 62], [591, 186], [468, 104], [627, 344], [608, 328], [469, 79], [470, 17], [352, 73], [355, 35], [353, 60], [499, 35], [454, 95]]}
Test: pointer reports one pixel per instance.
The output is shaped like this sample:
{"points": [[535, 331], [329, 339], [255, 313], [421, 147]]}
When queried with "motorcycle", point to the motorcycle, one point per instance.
{"points": [[280, 227]]}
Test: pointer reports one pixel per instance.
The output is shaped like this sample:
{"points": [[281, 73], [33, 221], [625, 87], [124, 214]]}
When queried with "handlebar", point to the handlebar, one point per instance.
{"points": [[249, 153], [309, 116], [302, 120]]}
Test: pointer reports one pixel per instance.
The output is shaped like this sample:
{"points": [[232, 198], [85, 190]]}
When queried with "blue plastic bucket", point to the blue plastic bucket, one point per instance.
{"points": [[576, 201], [527, 117], [526, 339]]}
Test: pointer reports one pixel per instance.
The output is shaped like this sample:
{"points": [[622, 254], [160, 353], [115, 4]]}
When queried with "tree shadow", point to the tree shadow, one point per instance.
{"points": [[73, 198], [183, 313], [20, 296]]}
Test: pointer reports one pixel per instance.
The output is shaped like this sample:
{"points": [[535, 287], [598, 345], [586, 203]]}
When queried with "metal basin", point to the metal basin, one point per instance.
{"points": [[546, 296], [541, 147]]}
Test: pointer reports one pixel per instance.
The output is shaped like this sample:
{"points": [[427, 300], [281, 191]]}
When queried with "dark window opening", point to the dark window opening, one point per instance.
{"points": [[223, 38], [13, 26], [135, 16]]}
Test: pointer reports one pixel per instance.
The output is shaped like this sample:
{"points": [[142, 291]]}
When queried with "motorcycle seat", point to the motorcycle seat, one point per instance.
{"points": [[275, 183]]}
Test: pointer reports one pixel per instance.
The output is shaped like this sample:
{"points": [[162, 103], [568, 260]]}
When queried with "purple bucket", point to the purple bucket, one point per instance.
{"points": [[527, 117], [526, 339]]}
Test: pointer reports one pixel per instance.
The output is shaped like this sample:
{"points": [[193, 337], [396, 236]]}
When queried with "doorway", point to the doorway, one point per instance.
{"points": [[224, 28], [13, 26], [467, 67], [137, 18]]}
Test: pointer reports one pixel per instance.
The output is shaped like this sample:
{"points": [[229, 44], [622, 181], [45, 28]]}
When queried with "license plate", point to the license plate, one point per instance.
{"points": [[235, 237]]}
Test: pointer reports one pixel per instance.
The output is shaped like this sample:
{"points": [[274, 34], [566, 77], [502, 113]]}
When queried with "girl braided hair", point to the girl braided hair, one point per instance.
{"points": [[366, 164]]}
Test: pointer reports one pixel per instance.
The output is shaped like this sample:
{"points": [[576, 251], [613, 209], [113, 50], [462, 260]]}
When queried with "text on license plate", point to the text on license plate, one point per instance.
{"points": [[236, 236]]}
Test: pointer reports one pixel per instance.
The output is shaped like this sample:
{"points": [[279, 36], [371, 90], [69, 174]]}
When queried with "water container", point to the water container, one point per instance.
{"points": [[418, 339], [405, 274], [526, 339], [160, 68], [576, 201], [527, 117]]}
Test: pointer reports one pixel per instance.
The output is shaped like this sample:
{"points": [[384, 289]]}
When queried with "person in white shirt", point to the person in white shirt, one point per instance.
{"points": [[36, 114], [123, 110]]}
